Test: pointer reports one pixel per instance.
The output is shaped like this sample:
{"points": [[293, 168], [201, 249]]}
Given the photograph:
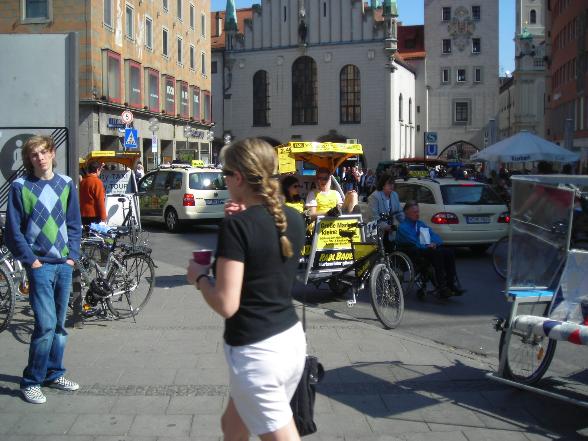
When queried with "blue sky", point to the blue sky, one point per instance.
{"points": [[411, 12]]}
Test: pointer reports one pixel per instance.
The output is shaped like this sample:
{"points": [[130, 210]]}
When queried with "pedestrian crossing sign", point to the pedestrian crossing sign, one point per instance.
{"points": [[130, 138]]}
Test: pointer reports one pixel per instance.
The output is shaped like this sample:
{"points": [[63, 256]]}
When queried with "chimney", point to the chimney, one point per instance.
{"points": [[219, 24]]}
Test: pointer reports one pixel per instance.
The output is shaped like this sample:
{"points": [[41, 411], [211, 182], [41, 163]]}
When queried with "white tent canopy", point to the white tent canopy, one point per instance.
{"points": [[525, 147]]}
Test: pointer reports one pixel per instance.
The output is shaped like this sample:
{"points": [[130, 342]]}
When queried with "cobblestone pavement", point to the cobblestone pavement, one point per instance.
{"points": [[164, 378]]}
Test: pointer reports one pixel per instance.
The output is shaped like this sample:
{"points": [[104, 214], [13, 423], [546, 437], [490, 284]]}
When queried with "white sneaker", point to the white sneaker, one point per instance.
{"points": [[33, 394], [63, 383]]}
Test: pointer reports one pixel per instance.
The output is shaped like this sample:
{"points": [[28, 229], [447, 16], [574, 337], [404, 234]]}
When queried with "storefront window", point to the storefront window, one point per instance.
{"points": [[152, 80], [133, 84], [170, 95], [196, 103], [184, 99]]}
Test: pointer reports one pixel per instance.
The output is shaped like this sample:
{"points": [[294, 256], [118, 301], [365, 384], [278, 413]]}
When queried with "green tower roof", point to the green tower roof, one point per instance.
{"points": [[230, 16]]}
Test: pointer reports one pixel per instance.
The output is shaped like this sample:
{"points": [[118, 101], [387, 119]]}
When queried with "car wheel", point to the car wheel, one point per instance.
{"points": [[479, 249], [172, 222]]}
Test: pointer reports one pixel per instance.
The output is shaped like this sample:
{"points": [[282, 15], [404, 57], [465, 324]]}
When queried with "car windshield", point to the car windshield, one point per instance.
{"points": [[207, 181], [469, 194]]}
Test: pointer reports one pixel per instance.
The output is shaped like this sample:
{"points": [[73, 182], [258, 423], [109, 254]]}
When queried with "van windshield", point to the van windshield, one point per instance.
{"points": [[207, 181], [469, 194]]}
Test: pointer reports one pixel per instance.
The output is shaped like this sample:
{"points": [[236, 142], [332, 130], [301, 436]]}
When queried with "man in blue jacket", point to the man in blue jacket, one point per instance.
{"points": [[43, 231], [410, 236]]}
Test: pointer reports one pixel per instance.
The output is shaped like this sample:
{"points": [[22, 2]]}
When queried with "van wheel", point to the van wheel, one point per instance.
{"points": [[172, 222]]}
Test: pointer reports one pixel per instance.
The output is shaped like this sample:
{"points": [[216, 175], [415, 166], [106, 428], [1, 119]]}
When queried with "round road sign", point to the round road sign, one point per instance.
{"points": [[127, 117]]}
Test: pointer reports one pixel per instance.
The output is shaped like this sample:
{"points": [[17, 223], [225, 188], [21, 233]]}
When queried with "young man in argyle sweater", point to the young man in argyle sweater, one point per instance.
{"points": [[43, 231]]}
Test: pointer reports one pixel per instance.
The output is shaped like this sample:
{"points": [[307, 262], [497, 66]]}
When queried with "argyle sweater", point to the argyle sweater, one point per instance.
{"points": [[43, 220]]}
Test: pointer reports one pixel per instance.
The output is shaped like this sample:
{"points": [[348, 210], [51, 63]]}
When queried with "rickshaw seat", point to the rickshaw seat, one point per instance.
{"points": [[568, 313]]}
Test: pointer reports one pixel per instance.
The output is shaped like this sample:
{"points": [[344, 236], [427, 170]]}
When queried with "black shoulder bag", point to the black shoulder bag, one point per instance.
{"points": [[302, 402]]}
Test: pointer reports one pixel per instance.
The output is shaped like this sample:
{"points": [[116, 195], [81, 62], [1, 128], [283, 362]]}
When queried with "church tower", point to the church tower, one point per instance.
{"points": [[530, 68], [230, 24]]}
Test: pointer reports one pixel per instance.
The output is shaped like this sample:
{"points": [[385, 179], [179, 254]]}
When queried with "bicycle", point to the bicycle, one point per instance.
{"points": [[371, 262], [7, 290], [127, 275]]}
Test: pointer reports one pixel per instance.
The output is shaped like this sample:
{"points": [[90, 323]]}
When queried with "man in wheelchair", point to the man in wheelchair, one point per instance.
{"points": [[422, 244]]}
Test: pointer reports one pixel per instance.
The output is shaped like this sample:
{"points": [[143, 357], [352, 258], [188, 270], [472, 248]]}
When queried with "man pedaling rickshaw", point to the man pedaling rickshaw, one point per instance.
{"points": [[421, 243]]}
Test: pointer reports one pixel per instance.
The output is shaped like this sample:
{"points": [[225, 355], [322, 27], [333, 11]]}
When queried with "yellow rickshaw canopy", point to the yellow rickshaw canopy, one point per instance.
{"points": [[128, 159], [329, 155]]}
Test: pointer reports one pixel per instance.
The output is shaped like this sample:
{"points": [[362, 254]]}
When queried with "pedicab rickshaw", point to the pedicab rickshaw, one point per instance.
{"points": [[122, 200], [336, 251], [547, 281]]}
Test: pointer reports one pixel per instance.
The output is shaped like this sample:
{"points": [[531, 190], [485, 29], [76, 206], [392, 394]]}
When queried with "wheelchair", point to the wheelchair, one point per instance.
{"points": [[416, 273]]}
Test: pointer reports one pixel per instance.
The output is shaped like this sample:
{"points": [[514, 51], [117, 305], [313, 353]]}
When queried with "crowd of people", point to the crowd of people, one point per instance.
{"points": [[249, 284]]}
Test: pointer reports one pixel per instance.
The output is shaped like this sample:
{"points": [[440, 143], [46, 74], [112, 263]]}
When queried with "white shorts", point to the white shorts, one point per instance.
{"points": [[264, 376]]}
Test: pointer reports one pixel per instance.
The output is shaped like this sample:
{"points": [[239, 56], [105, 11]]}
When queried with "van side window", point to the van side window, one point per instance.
{"points": [[425, 196], [160, 181], [146, 182], [406, 192], [176, 181]]}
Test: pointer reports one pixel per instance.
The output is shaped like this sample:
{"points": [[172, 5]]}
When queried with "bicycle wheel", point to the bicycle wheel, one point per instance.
{"points": [[386, 295], [137, 278], [528, 356], [7, 297], [500, 257], [404, 270]]}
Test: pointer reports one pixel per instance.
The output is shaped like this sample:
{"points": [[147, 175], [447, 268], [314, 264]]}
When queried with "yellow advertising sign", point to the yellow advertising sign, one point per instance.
{"points": [[197, 163], [326, 147], [361, 250], [101, 153], [329, 236], [286, 162]]}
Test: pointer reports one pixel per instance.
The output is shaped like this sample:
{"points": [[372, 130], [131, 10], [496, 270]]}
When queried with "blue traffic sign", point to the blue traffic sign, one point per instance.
{"points": [[430, 137], [431, 149], [131, 138]]}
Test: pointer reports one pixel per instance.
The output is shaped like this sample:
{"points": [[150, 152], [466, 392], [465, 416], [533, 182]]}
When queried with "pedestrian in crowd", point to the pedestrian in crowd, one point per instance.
{"points": [[385, 201], [92, 195], [370, 182], [441, 258], [139, 171], [43, 231], [502, 189], [291, 192], [256, 262]]}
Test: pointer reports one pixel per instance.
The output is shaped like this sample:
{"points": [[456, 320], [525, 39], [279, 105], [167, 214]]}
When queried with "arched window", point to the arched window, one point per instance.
{"points": [[400, 107], [260, 99], [350, 94], [304, 91], [533, 17], [410, 110]]}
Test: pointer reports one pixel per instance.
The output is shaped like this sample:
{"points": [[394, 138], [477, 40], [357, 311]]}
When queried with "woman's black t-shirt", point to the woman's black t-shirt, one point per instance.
{"points": [[266, 307]]}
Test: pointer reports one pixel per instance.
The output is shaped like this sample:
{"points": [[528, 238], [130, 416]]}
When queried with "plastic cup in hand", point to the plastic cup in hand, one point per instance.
{"points": [[202, 257]]}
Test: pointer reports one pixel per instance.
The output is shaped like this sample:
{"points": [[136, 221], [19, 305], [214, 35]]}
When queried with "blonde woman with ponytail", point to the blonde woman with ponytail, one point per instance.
{"points": [[256, 262]]}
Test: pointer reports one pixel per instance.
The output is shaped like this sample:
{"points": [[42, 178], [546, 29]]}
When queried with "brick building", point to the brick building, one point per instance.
{"points": [[567, 83], [151, 57]]}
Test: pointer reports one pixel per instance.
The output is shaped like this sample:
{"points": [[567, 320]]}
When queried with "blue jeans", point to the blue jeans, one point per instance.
{"points": [[50, 286]]}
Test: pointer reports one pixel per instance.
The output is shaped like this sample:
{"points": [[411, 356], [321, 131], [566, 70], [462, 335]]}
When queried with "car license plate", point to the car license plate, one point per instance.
{"points": [[478, 219], [214, 201]]}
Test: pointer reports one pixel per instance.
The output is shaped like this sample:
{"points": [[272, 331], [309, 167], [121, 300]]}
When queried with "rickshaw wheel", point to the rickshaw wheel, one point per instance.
{"points": [[337, 287], [386, 295], [528, 357]]}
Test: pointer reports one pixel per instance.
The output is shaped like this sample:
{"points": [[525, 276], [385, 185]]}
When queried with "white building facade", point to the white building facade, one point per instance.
{"points": [[340, 69], [461, 40], [316, 70]]}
